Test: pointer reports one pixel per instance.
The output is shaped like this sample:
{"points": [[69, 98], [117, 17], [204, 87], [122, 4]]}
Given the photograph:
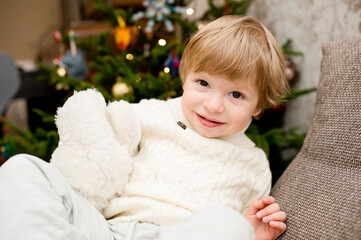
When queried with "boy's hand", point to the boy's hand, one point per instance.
{"points": [[266, 218]]}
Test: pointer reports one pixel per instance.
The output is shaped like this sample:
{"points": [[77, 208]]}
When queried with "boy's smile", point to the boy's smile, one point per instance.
{"points": [[216, 106], [208, 122]]}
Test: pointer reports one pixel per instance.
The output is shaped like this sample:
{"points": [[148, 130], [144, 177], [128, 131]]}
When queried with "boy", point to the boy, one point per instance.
{"points": [[154, 169]]}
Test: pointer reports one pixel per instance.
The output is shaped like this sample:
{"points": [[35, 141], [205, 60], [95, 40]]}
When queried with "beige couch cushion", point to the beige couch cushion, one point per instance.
{"points": [[321, 189]]}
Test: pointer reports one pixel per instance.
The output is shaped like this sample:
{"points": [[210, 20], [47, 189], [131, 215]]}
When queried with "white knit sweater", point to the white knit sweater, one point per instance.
{"points": [[175, 172]]}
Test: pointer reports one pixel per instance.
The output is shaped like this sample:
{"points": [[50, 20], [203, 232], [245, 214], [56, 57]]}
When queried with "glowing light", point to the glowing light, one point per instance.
{"points": [[200, 26], [121, 89], [162, 42], [189, 11], [61, 71], [59, 86], [129, 56], [166, 70]]}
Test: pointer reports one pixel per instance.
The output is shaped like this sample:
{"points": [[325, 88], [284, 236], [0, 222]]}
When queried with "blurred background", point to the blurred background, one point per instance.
{"points": [[130, 49]]}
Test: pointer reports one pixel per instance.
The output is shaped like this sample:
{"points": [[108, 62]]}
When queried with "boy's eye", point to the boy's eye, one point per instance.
{"points": [[236, 95], [203, 83]]}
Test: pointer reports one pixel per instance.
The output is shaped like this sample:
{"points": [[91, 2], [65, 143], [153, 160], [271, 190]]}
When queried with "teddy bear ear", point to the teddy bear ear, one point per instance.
{"points": [[73, 118], [125, 124]]}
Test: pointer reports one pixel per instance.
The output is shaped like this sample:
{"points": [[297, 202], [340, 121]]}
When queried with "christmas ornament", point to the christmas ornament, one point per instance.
{"points": [[73, 63], [57, 36], [121, 89], [76, 66], [172, 63], [158, 10], [124, 36]]}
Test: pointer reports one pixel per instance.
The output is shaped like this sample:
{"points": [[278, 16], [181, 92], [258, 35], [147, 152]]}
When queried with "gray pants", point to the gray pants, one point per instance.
{"points": [[36, 202]]}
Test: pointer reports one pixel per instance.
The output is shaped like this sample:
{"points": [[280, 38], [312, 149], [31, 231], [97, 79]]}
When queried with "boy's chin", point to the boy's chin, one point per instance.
{"points": [[211, 134]]}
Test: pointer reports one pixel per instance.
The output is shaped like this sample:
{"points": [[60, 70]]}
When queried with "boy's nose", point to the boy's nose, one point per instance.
{"points": [[214, 103]]}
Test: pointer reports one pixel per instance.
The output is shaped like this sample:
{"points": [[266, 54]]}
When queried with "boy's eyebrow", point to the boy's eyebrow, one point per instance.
{"points": [[201, 74], [246, 88]]}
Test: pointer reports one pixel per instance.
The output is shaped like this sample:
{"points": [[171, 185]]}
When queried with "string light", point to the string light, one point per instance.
{"points": [[189, 11], [166, 70], [61, 71], [59, 86], [129, 56], [162, 42]]}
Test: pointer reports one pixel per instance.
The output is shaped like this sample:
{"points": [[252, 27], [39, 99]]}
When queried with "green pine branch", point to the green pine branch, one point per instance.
{"points": [[42, 143]]}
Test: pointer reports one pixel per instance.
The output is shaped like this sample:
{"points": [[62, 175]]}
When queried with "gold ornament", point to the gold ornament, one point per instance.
{"points": [[121, 89]]}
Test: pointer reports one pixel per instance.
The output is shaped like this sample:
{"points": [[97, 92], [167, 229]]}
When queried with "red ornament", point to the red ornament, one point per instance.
{"points": [[57, 36]]}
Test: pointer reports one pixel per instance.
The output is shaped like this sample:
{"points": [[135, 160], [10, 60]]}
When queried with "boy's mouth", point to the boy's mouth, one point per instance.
{"points": [[208, 122]]}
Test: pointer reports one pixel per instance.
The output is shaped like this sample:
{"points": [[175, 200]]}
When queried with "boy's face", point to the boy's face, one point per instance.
{"points": [[216, 106]]}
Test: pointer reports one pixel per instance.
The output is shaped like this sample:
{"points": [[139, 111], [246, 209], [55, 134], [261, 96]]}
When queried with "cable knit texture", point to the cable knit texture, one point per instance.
{"points": [[175, 172]]}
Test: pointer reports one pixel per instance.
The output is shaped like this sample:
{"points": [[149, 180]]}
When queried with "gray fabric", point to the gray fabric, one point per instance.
{"points": [[321, 189], [37, 203], [211, 223], [9, 80]]}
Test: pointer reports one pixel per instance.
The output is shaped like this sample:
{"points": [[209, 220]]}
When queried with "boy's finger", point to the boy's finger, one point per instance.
{"points": [[277, 216], [281, 226], [255, 206], [268, 210], [268, 200]]}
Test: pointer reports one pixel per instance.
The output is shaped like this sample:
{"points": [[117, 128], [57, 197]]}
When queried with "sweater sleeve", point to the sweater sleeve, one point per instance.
{"points": [[263, 180], [89, 154]]}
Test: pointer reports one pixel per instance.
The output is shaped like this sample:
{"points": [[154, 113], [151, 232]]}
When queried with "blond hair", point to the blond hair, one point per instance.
{"points": [[239, 47]]}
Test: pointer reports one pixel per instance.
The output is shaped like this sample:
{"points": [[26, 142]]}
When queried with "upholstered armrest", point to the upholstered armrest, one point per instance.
{"points": [[321, 189]]}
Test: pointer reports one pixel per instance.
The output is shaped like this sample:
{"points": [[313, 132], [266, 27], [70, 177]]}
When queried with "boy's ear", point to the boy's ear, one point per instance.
{"points": [[183, 82], [257, 112]]}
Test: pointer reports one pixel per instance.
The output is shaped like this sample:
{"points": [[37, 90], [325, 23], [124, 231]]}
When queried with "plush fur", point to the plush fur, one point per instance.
{"points": [[125, 124], [95, 145]]}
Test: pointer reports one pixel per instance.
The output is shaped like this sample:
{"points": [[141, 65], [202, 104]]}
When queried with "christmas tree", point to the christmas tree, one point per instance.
{"points": [[136, 58]]}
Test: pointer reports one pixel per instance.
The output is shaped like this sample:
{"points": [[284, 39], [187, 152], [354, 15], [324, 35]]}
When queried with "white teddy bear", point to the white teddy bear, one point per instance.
{"points": [[96, 145]]}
